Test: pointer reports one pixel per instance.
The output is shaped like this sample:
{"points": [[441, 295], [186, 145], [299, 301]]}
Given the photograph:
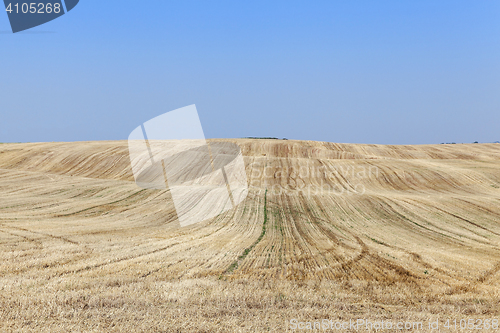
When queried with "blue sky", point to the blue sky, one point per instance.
{"points": [[390, 72]]}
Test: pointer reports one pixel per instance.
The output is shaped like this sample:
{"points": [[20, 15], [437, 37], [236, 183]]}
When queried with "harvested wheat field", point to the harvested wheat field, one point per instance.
{"points": [[328, 231]]}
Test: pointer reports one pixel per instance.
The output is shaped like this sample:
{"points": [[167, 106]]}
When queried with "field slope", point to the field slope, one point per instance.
{"points": [[408, 231]]}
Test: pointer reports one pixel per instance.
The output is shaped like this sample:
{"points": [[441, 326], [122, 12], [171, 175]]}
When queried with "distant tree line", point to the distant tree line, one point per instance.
{"points": [[263, 137]]}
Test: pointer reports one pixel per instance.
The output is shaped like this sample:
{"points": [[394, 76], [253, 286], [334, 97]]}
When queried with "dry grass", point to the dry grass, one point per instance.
{"points": [[380, 232]]}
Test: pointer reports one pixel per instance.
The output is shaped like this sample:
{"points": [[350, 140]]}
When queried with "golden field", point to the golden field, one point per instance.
{"points": [[328, 231]]}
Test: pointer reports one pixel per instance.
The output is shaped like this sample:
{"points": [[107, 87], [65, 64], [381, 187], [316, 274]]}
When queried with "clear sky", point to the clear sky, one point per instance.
{"points": [[386, 71]]}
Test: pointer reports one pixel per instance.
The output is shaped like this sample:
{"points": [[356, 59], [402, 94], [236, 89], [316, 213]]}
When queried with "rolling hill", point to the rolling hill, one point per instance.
{"points": [[344, 229]]}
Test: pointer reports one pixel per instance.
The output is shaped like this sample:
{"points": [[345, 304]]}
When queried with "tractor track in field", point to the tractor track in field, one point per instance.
{"points": [[61, 238]]}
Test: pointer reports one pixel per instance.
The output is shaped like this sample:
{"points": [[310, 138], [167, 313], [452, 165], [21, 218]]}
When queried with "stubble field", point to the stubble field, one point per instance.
{"points": [[328, 231]]}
